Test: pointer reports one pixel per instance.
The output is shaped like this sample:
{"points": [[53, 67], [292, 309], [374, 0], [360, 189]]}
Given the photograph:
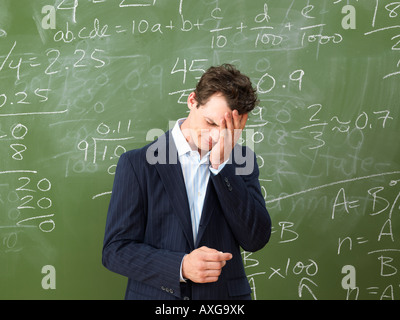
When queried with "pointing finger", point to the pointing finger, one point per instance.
{"points": [[220, 256], [215, 255]]}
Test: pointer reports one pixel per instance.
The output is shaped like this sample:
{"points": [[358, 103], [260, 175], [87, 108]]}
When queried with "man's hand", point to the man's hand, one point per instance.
{"points": [[204, 264], [231, 127]]}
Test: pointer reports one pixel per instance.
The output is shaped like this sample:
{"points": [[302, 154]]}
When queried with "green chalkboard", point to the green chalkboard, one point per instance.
{"points": [[83, 83]]}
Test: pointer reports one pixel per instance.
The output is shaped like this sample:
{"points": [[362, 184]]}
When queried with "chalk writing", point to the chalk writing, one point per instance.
{"points": [[101, 77]]}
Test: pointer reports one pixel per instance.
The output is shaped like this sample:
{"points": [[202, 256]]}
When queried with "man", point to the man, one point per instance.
{"points": [[182, 206]]}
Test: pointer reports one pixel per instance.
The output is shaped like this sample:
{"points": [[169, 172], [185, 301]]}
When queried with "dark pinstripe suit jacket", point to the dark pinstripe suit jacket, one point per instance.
{"points": [[148, 228]]}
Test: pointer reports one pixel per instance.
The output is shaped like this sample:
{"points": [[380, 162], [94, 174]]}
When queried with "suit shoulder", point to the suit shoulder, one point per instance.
{"points": [[139, 155], [134, 153], [136, 156]]}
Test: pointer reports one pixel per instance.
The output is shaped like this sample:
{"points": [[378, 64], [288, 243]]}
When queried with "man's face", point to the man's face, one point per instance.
{"points": [[205, 121]]}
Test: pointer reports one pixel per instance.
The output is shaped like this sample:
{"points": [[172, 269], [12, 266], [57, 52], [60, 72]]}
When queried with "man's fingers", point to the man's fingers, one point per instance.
{"points": [[218, 257], [239, 121], [224, 256], [214, 265], [243, 120], [236, 119], [204, 264], [229, 121], [214, 255], [222, 124], [209, 279], [212, 273]]}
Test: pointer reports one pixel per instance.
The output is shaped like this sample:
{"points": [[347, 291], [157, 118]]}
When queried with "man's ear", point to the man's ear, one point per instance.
{"points": [[191, 101]]}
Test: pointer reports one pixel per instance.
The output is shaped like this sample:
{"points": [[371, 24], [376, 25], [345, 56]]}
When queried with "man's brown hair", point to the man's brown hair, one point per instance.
{"points": [[234, 85]]}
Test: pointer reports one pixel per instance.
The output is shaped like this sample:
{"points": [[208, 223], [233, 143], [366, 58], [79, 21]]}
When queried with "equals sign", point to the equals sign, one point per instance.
{"points": [[35, 64], [373, 288], [119, 29], [361, 241]]}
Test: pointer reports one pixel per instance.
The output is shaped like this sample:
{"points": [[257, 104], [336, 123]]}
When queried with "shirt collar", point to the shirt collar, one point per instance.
{"points": [[181, 144]]}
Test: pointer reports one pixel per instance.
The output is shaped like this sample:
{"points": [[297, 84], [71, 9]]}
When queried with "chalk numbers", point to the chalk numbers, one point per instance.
{"points": [[363, 121], [81, 59], [8, 242], [18, 132], [197, 67], [268, 82], [35, 196], [30, 207], [104, 146]]}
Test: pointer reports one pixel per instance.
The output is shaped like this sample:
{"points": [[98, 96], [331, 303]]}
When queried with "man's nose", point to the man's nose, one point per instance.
{"points": [[214, 134]]}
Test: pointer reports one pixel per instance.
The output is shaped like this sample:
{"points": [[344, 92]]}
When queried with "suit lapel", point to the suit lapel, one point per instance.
{"points": [[210, 203], [171, 175]]}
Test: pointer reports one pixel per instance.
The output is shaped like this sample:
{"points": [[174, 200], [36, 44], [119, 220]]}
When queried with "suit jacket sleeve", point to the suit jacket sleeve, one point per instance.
{"points": [[124, 250], [243, 205]]}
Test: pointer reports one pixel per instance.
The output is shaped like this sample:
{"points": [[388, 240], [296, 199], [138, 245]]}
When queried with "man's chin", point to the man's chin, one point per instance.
{"points": [[204, 150]]}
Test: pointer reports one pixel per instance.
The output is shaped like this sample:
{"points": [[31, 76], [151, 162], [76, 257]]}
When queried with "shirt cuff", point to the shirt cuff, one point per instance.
{"points": [[182, 279], [220, 167]]}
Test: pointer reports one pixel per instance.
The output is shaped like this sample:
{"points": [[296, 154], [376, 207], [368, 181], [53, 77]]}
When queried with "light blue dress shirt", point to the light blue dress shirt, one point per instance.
{"points": [[196, 173]]}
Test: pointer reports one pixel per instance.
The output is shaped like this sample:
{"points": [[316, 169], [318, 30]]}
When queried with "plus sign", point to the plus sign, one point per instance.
{"points": [[241, 27], [198, 25], [170, 26]]}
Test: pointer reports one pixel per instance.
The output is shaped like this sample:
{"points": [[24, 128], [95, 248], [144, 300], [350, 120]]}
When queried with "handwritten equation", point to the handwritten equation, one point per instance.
{"points": [[89, 80]]}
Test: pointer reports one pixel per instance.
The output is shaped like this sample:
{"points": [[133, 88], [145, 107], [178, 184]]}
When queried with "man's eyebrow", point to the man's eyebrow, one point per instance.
{"points": [[211, 120]]}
